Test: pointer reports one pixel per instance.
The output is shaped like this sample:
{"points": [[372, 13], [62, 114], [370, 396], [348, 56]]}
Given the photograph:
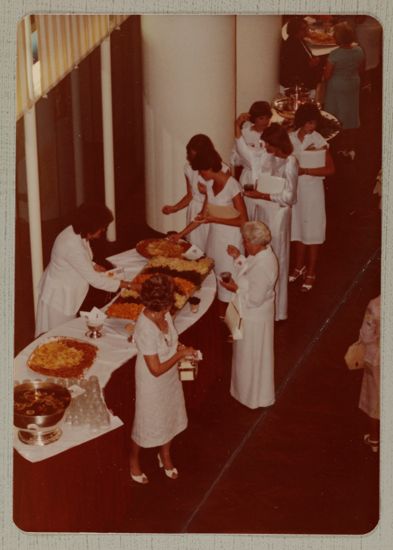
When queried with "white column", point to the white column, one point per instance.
{"points": [[77, 136], [33, 199], [189, 88], [107, 130], [257, 58]]}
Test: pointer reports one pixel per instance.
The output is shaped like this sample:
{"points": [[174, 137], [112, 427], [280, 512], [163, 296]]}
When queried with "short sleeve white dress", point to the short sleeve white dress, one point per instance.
{"points": [[160, 412], [220, 235], [200, 234], [308, 214]]}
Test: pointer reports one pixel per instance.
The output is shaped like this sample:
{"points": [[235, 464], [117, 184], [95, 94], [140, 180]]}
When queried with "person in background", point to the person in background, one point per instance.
{"points": [[369, 401], [274, 209], [308, 225], [160, 412], [252, 378], [194, 198], [249, 151], [298, 66], [342, 76], [65, 282]]}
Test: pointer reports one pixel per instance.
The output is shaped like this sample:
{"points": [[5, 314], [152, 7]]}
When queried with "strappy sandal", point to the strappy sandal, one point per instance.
{"points": [[296, 274], [140, 478], [172, 473], [306, 287]]}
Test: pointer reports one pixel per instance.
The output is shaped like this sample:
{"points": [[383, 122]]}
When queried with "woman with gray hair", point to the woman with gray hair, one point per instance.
{"points": [[252, 379]]}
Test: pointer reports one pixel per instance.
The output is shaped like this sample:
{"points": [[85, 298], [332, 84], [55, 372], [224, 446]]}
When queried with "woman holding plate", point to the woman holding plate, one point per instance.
{"points": [[224, 212], [274, 207], [308, 214], [194, 198]]}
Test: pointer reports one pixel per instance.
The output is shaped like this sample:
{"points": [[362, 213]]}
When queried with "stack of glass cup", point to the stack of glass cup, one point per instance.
{"points": [[86, 409]]}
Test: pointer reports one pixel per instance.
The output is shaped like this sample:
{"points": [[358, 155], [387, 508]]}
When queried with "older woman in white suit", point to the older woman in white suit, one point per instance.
{"points": [[252, 379], [65, 282]]}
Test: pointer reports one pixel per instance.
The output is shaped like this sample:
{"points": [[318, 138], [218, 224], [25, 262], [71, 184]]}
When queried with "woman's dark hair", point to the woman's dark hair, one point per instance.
{"points": [[89, 217], [207, 160], [307, 112], [343, 33], [294, 25], [198, 143], [157, 292], [278, 137], [260, 108]]}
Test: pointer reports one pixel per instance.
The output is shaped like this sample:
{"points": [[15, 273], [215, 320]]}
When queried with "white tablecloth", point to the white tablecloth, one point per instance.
{"points": [[113, 351]]}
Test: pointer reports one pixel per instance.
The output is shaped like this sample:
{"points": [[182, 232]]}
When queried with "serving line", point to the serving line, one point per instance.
{"points": [[316, 50], [114, 350]]}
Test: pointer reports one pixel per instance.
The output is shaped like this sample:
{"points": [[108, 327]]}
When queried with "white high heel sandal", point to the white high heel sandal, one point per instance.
{"points": [[296, 274], [171, 473], [141, 478]]}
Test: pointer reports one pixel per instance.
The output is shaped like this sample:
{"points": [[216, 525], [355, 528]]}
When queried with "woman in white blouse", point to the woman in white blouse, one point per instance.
{"points": [[274, 209], [160, 412], [252, 379], [65, 281], [249, 149], [308, 214]]}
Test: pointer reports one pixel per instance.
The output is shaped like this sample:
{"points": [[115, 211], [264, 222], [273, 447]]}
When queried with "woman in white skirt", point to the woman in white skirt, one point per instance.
{"points": [[249, 149], [194, 198], [224, 212], [160, 412], [308, 214], [274, 209], [252, 379]]}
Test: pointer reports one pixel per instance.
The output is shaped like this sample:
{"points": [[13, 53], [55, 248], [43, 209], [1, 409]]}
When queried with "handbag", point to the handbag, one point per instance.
{"points": [[354, 356], [234, 321]]}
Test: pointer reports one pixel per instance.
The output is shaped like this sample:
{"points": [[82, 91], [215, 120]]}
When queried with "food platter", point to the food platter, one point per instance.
{"points": [[162, 247], [187, 275], [62, 357], [320, 38]]}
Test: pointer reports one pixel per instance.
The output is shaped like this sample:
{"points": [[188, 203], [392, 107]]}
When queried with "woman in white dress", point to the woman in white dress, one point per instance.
{"points": [[274, 209], [252, 379], [308, 214], [224, 211], [249, 149], [65, 281], [160, 412], [194, 198]]}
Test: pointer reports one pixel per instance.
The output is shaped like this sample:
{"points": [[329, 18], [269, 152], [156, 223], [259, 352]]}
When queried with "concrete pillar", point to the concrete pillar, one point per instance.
{"points": [[189, 88], [257, 58]]}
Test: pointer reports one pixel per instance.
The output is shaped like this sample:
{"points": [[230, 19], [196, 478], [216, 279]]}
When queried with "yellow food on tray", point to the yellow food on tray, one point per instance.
{"points": [[202, 266], [185, 286], [64, 357], [124, 310]]}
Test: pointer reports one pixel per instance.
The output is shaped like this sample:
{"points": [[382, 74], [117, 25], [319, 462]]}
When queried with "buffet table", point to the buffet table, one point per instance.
{"points": [[114, 350], [316, 49]]}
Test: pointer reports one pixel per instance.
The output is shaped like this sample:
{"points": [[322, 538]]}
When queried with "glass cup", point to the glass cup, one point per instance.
{"points": [[194, 302]]}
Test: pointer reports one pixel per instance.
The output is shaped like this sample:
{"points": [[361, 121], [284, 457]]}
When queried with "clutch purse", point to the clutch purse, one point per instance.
{"points": [[233, 321], [188, 370], [354, 356], [313, 159]]}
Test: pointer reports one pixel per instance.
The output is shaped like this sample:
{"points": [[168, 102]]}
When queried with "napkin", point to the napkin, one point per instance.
{"points": [[95, 317], [193, 253]]}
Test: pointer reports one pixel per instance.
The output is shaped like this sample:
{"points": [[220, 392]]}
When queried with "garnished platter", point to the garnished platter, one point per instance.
{"points": [[150, 248]]}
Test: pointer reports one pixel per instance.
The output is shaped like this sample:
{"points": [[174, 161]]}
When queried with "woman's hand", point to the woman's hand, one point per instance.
{"points": [[230, 285], [185, 351], [202, 218], [253, 194], [242, 118], [168, 209], [99, 268], [233, 251], [174, 237]]}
